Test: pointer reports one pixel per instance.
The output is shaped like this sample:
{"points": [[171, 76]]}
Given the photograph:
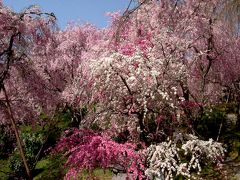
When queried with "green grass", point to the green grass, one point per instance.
{"points": [[98, 174], [52, 168], [43, 164], [4, 169]]}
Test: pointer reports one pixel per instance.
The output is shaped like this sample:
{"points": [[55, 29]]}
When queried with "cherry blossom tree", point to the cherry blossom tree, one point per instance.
{"points": [[160, 61], [19, 73], [87, 150], [151, 72], [140, 76], [18, 32]]}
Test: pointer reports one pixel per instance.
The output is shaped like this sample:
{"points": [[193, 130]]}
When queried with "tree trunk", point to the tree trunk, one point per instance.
{"points": [[238, 116], [19, 143]]}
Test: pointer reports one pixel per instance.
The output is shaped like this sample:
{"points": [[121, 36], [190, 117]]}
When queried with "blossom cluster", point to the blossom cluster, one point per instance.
{"points": [[125, 86], [86, 150], [184, 154], [168, 159]]}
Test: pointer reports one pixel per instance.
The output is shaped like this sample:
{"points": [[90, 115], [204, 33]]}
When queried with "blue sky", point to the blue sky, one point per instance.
{"points": [[91, 11]]}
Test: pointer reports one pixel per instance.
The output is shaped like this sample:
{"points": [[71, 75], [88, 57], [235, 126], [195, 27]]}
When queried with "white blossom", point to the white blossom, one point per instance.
{"points": [[164, 161]]}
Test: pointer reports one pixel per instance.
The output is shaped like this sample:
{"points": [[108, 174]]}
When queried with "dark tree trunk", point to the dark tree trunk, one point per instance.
{"points": [[19, 143]]}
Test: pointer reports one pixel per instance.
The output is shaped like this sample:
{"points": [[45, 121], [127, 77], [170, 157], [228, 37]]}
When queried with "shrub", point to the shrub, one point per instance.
{"points": [[209, 124], [32, 142], [86, 150], [6, 142], [181, 156]]}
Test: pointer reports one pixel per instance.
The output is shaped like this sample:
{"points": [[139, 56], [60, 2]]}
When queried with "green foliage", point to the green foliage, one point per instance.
{"points": [[209, 124], [209, 172], [17, 167], [63, 119], [36, 140], [232, 141], [103, 173], [122, 137], [98, 174], [6, 143], [5, 171], [228, 107], [51, 167], [179, 177], [72, 117], [95, 127], [54, 126], [32, 140]]}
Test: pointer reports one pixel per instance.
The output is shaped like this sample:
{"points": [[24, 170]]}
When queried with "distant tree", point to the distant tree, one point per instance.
{"points": [[230, 12]]}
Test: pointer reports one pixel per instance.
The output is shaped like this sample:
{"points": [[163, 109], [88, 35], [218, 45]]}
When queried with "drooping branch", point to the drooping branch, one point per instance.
{"points": [[9, 54]]}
